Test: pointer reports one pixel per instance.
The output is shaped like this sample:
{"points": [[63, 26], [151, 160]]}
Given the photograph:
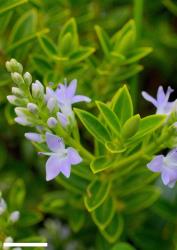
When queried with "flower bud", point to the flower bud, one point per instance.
{"points": [[14, 66], [37, 90], [7, 240], [17, 78], [13, 99], [22, 121], [32, 107], [27, 78], [14, 216], [52, 122], [3, 206], [131, 126], [18, 92], [34, 137]]}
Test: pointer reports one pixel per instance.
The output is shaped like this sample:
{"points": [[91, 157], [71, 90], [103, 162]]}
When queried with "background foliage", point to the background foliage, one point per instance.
{"points": [[103, 44]]}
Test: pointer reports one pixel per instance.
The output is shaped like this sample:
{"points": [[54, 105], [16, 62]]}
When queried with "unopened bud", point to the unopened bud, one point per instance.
{"points": [[16, 91], [27, 78], [17, 78], [14, 66], [13, 99], [52, 122], [34, 137], [37, 90], [22, 121], [131, 126], [14, 216], [32, 107]]}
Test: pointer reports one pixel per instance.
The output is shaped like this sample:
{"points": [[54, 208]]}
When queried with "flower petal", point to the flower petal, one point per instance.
{"points": [[160, 95], [169, 175], [172, 157], [149, 98], [52, 167], [80, 98], [73, 156], [65, 167], [54, 142], [156, 164], [71, 89]]}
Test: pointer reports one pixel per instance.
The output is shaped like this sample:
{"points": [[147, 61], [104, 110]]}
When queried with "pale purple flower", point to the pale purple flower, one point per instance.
{"points": [[35, 137], [60, 159], [162, 104], [65, 97], [167, 166]]}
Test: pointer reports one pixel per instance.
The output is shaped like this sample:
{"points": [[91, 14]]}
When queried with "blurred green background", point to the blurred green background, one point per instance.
{"points": [[31, 32]]}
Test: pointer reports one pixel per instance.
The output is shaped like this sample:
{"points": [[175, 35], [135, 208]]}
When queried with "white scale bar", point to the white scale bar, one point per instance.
{"points": [[6, 244]]}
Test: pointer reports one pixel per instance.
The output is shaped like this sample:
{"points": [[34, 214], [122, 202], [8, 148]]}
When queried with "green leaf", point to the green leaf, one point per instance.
{"points": [[124, 39], [71, 28], [11, 6], [104, 39], [136, 54], [97, 192], [128, 72], [93, 125], [148, 125], [113, 231], [41, 63], [104, 213], [53, 201], [110, 117], [81, 54], [17, 195], [74, 184], [131, 126], [123, 246], [76, 219], [48, 46], [142, 199], [122, 104], [65, 44], [100, 163], [24, 27], [29, 218]]}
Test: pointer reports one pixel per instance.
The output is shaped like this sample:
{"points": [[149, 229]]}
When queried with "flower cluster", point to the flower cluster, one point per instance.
{"points": [[166, 165], [49, 112]]}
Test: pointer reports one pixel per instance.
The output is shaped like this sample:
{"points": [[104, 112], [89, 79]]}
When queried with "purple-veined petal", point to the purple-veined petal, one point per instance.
{"points": [[73, 156], [51, 103], [34, 137], [149, 98], [52, 167], [61, 94], [65, 167], [156, 164], [62, 118], [169, 175], [55, 165], [71, 89], [54, 142], [80, 98]]}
